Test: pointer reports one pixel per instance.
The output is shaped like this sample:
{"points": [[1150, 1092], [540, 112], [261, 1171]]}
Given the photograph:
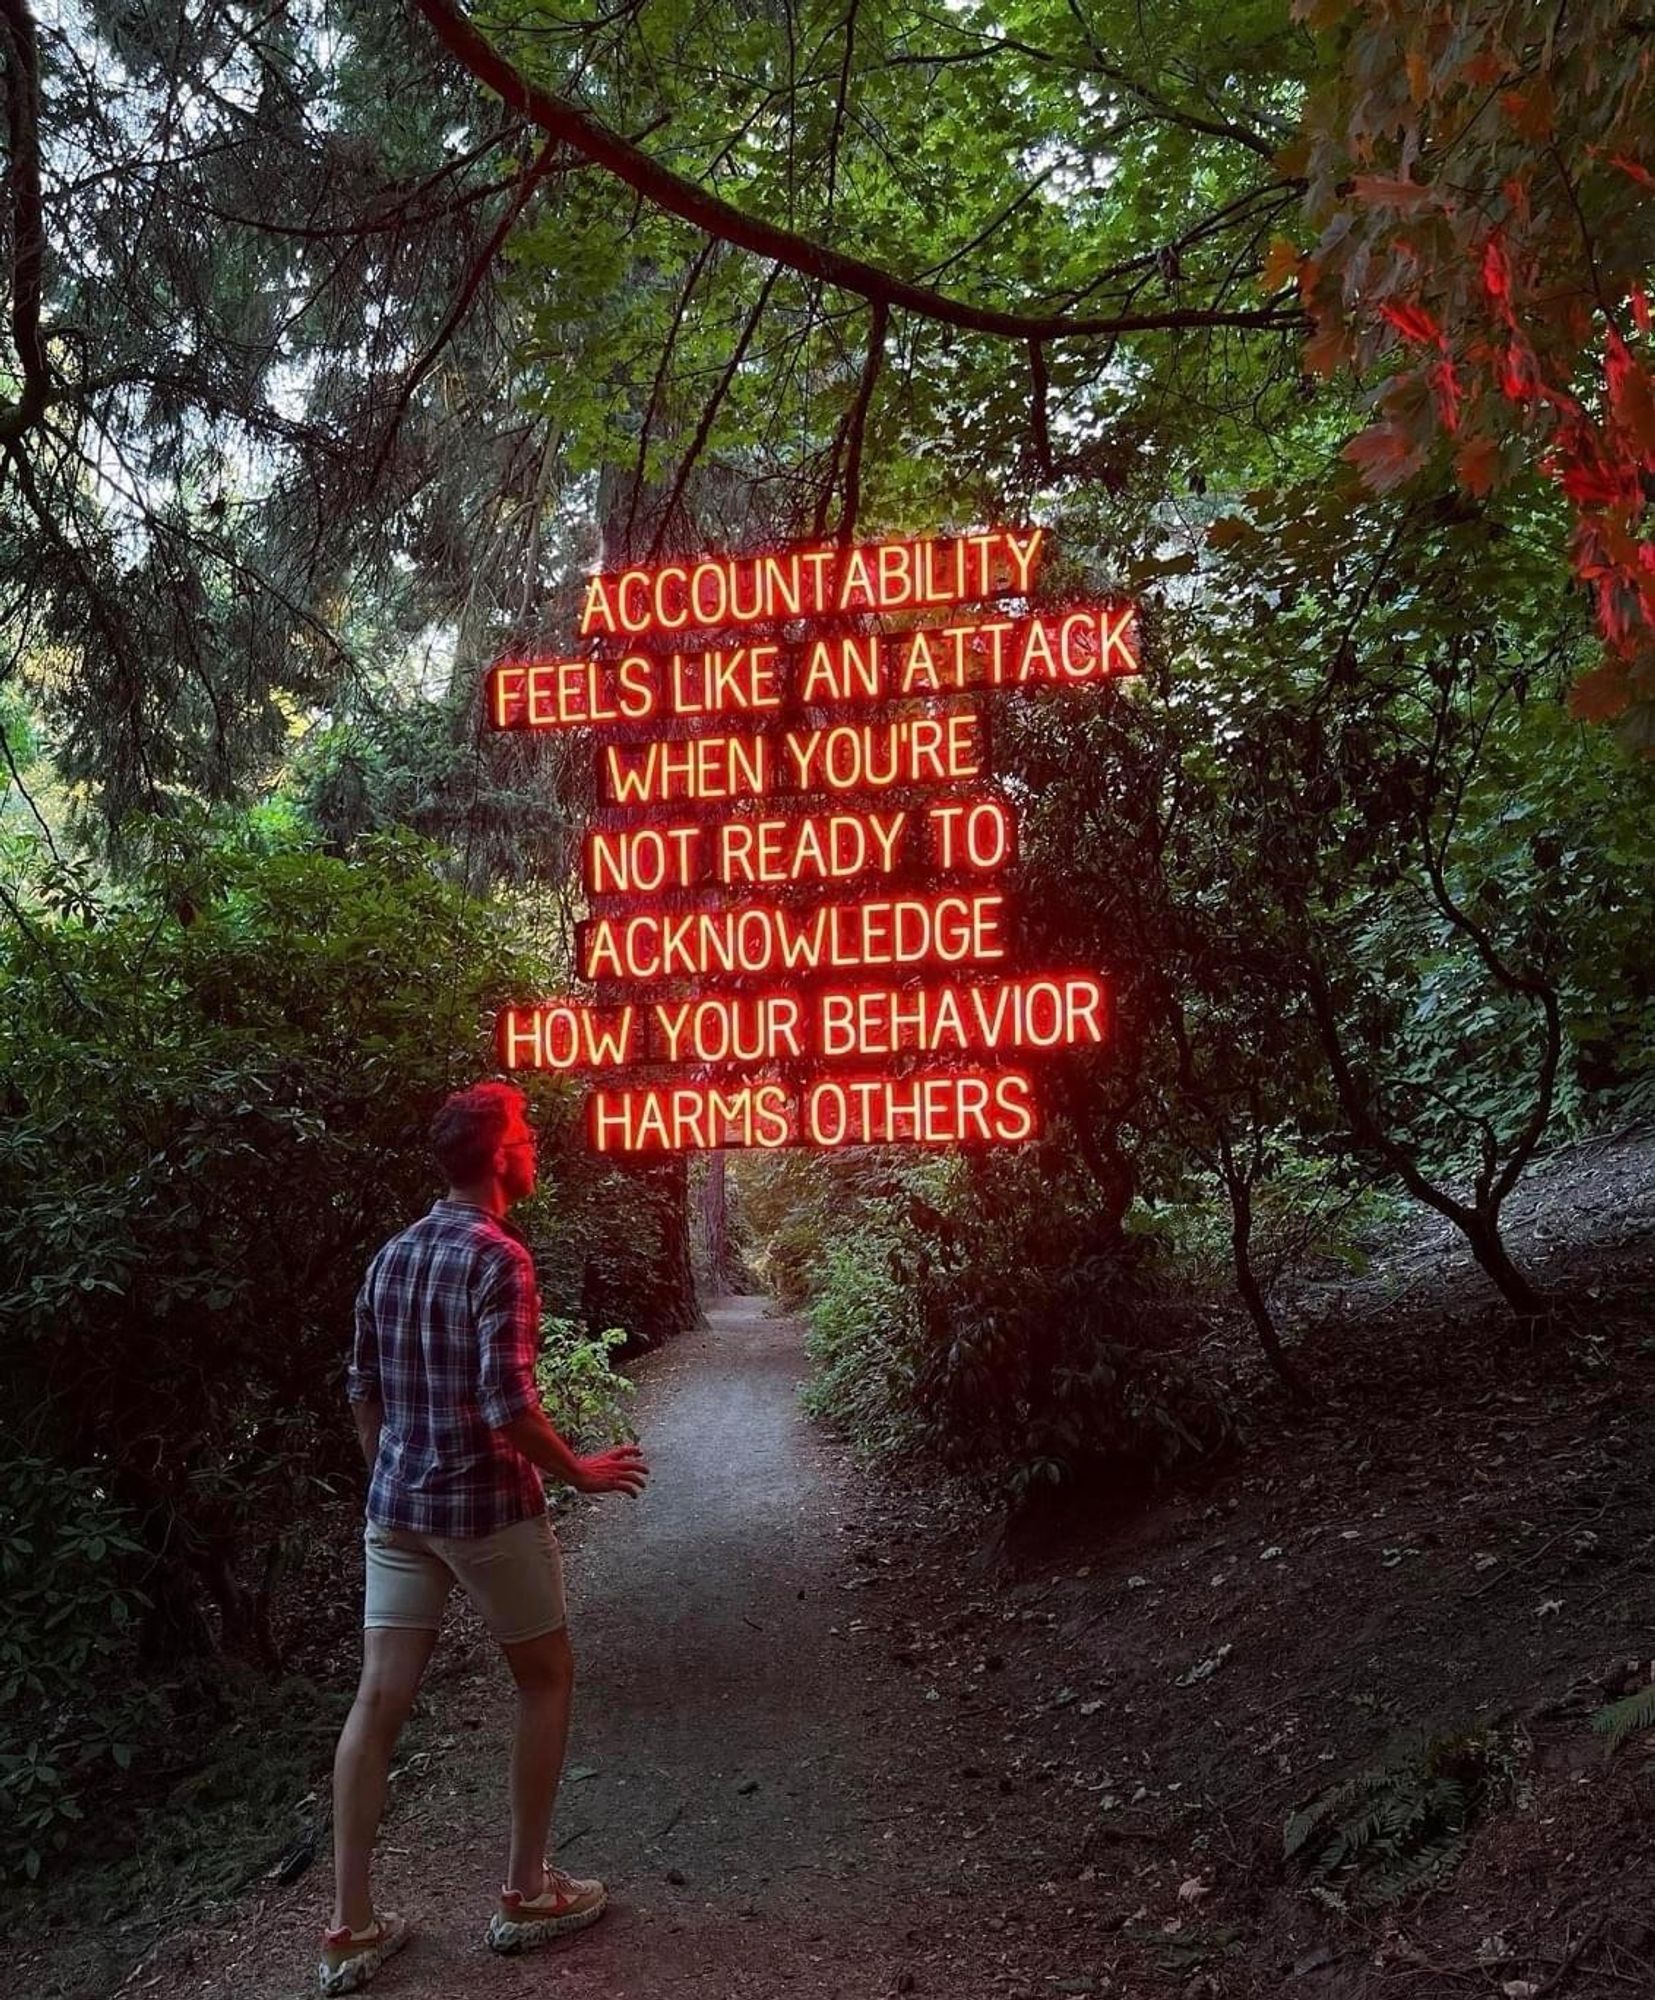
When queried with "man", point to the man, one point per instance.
{"points": [[442, 1387]]}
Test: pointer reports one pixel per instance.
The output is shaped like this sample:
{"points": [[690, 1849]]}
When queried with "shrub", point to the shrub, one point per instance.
{"points": [[984, 1307], [219, 1082], [863, 1339], [68, 1708], [584, 1395]]}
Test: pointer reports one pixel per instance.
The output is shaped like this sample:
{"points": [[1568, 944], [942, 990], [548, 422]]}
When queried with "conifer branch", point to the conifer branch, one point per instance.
{"points": [[21, 52]]}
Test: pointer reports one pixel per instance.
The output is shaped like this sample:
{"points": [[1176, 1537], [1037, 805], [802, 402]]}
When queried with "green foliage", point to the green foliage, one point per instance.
{"points": [[982, 1309], [584, 1395], [1401, 1826], [1027, 155], [219, 1080], [864, 1335], [68, 1709], [1629, 1716]]}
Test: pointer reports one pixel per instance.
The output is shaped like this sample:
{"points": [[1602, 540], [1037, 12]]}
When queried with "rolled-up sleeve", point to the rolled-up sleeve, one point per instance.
{"points": [[362, 1376], [508, 1338]]}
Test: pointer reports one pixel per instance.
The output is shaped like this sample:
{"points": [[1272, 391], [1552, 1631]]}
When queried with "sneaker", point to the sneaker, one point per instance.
{"points": [[351, 1958], [565, 1904]]}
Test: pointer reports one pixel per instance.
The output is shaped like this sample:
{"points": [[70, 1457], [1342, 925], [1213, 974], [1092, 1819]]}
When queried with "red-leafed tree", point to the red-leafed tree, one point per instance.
{"points": [[1481, 178]]}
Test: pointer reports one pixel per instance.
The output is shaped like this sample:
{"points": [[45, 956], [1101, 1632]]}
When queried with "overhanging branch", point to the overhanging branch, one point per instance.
{"points": [[28, 224], [677, 195]]}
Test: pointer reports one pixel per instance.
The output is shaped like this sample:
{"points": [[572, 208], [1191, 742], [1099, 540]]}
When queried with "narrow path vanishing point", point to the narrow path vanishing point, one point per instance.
{"points": [[725, 1771]]}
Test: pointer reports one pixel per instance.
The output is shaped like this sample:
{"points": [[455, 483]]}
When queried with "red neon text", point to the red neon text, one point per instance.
{"points": [[1058, 649], [1069, 649], [568, 1035], [768, 1027], [739, 853], [719, 591], [758, 938], [843, 757], [1060, 1010], [1048, 1011], [978, 834], [960, 1109], [563, 694], [681, 1117]]}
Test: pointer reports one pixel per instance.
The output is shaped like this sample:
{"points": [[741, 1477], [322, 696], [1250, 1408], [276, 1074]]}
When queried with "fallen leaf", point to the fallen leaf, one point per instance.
{"points": [[1203, 1669]]}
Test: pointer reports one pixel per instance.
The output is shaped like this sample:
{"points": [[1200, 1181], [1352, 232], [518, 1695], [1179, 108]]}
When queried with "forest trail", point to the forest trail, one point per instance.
{"points": [[1060, 1761], [729, 1764]]}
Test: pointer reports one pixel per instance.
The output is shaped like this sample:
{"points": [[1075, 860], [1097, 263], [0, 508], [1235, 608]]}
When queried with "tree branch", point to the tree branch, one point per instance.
{"points": [[531, 179], [1210, 128], [1039, 419], [640, 470], [856, 425], [677, 195], [28, 223], [704, 428]]}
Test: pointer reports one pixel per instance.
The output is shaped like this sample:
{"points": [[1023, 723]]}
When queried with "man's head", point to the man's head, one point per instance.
{"points": [[483, 1143]]}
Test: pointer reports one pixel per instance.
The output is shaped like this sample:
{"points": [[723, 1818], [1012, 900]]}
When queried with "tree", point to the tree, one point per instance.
{"points": [[258, 422], [1480, 182], [851, 268], [1408, 794]]}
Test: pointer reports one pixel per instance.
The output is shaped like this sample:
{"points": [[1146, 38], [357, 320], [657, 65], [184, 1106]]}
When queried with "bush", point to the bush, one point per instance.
{"points": [[863, 1338], [219, 1083], [68, 1709], [984, 1307], [584, 1396]]}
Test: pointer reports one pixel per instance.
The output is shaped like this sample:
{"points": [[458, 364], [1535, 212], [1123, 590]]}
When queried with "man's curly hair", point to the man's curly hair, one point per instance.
{"points": [[467, 1130]]}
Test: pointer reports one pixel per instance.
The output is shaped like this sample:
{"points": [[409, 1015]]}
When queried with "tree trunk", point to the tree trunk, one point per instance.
{"points": [[1252, 1293], [1480, 1226], [1532, 1307], [676, 1302], [715, 1223]]}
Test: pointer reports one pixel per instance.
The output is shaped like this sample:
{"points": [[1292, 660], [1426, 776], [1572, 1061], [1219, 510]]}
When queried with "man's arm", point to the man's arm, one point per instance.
{"points": [[621, 1469], [362, 1376], [508, 1338], [369, 1416]]}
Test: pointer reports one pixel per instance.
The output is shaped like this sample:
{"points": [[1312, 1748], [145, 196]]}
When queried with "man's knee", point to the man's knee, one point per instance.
{"points": [[393, 1666], [542, 1666], [385, 1705]]}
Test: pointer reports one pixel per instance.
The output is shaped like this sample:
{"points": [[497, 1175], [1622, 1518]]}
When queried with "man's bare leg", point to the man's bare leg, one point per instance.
{"points": [[544, 1670], [393, 1665]]}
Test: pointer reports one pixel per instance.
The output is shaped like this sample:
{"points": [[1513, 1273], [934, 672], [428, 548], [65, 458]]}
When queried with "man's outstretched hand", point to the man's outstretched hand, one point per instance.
{"points": [[621, 1469]]}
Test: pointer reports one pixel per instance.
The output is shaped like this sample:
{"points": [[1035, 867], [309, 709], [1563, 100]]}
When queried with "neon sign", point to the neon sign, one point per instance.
{"points": [[844, 757], [953, 1108], [1064, 649], [718, 592], [781, 898], [976, 834], [766, 938], [831, 1023]]}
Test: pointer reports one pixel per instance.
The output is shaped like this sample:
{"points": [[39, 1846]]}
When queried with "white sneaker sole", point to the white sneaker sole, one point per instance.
{"points": [[508, 1934], [356, 1972]]}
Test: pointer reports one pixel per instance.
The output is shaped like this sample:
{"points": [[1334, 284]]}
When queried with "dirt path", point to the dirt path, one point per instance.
{"points": [[732, 1744], [1065, 1769]]}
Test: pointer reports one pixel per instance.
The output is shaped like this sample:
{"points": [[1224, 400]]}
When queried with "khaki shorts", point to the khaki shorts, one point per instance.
{"points": [[514, 1579]]}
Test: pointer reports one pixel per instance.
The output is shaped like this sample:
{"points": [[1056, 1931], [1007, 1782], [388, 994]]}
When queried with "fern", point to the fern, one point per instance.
{"points": [[1626, 1717], [1401, 1826]]}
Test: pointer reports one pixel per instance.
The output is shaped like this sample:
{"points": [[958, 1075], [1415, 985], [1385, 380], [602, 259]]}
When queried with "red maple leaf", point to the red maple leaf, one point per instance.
{"points": [[1413, 323]]}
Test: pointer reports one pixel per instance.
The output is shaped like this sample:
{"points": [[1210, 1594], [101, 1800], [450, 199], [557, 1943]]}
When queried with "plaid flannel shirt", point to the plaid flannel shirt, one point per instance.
{"points": [[447, 1333]]}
